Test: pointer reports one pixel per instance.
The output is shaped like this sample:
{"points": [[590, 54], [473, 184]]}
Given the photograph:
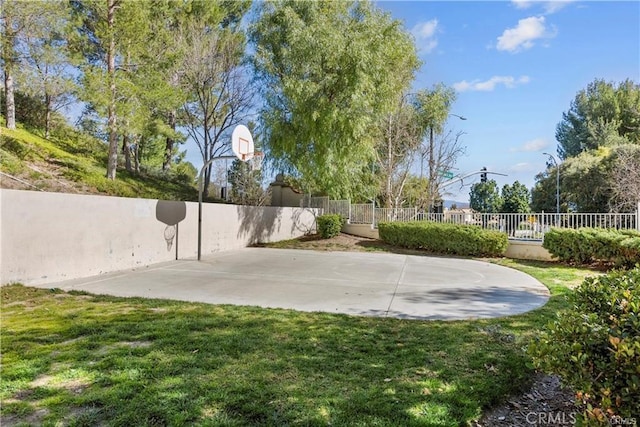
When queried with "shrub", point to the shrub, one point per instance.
{"points": [[587, 245], [595, 346], [329, 225], [444, 238]]}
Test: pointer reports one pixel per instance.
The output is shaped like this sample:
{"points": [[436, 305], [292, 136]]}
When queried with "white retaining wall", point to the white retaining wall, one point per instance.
{"points": [[49, 237]]}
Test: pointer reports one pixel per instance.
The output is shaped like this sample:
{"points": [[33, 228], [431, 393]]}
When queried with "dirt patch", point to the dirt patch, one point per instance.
{"points": [[546, 400]]}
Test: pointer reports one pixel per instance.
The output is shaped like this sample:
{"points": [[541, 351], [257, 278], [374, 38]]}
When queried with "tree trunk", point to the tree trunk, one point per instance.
{"points": [[111, 69], [126, 149], [10, 101], [137, 147], [168, 150], [47, 119]]}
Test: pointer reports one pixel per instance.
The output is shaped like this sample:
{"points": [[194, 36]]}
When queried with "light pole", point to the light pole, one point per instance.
{"points": [[555, 163], [432, 162]]}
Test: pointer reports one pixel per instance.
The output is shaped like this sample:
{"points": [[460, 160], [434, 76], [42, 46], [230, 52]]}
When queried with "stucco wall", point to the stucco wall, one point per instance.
{"points": [[48, 237], [362, 230], [523, 249]]}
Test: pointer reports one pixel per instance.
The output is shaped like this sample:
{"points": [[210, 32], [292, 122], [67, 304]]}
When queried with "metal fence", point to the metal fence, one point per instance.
{"points": [[362, 214], [530, 226]]}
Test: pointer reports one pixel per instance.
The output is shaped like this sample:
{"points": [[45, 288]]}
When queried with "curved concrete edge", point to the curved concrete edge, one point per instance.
{"points": [[354, 283]]}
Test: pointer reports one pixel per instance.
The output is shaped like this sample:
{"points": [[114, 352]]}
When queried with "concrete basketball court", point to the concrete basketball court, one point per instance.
{"points": [[368, 284]]}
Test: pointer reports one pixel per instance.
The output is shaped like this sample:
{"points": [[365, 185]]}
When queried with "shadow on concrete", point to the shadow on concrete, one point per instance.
{"points": [[462, 303]]}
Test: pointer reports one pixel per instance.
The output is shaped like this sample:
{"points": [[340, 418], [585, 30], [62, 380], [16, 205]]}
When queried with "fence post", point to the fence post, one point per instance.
{"points": [[638, 216], [373, 214]]}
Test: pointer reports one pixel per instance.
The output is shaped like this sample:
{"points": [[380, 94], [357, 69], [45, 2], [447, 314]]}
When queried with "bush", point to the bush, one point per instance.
{"points": [[595, 346], [444, 238], [586, 245], [329, 225]]}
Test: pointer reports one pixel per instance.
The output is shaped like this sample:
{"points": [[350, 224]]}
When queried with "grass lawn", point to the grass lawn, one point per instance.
{"points": [[79, 359]]}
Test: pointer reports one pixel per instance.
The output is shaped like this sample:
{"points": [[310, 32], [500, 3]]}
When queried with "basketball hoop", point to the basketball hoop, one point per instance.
{"points": [[242, 143]]}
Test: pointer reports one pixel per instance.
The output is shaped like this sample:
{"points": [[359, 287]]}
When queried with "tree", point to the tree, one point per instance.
{"points": [[443, 155], [485, 197], [220, 95], [414, 190], [45, 72], [17, 18], [98, 43], [599, 115], [400, 132], [515, 198], [329, 72], [543, 193], [246, 185], [626, 178]]}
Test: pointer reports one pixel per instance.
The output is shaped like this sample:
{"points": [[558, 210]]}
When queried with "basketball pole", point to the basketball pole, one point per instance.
{"points": [[200, 189]]}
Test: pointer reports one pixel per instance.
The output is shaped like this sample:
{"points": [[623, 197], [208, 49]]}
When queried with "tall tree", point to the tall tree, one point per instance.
{"points": [[97, 41], [485, 197], [45, 72], [17, 18], [599, 115], [439, 152], [329, 72], [220, 95], [400, 132], [515, 198]]}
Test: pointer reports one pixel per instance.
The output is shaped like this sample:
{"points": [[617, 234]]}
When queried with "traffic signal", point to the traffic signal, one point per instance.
{"points": [[483, 175]]}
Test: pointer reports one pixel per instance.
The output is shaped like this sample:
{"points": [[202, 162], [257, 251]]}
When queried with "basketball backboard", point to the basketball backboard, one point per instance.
{"points": [[242, 143]]}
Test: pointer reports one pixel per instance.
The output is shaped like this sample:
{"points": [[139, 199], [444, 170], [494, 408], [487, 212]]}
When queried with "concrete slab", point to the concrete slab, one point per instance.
{"points": [[369, 284]]}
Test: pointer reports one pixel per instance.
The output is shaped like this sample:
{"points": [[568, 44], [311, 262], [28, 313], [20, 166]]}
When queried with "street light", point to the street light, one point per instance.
{"points": [[555, 163]]}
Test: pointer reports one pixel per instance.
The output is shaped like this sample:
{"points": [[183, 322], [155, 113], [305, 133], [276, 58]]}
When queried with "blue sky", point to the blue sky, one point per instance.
{"points": [[516, 67]]}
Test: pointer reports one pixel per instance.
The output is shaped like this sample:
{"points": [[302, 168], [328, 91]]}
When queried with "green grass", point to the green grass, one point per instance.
{"points": [[81, 161], [79, 359]]}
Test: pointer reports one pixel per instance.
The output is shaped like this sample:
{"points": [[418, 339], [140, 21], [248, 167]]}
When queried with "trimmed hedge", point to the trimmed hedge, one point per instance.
{"points": [[587, 245], [329, 225], [595, 346], [443, 238]]}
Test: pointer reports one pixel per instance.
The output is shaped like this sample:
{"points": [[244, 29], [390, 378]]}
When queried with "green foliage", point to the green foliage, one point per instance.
{"points": [[329, 225], [329, 72], [443, 238], [595, 346], [600, 115], [246, 184], [78, 162], [515, 198], [543, 193], [485, 197], [587, 245]]}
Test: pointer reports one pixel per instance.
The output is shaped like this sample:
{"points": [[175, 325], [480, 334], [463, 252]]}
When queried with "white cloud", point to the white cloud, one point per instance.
{"points": [[532, 146], [489, 85], [549, 7], [521, 4], [425, 35], [523, 35]]}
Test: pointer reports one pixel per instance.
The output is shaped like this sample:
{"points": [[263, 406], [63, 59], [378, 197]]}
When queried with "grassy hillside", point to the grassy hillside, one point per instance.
{"points": [[76, 163]]}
